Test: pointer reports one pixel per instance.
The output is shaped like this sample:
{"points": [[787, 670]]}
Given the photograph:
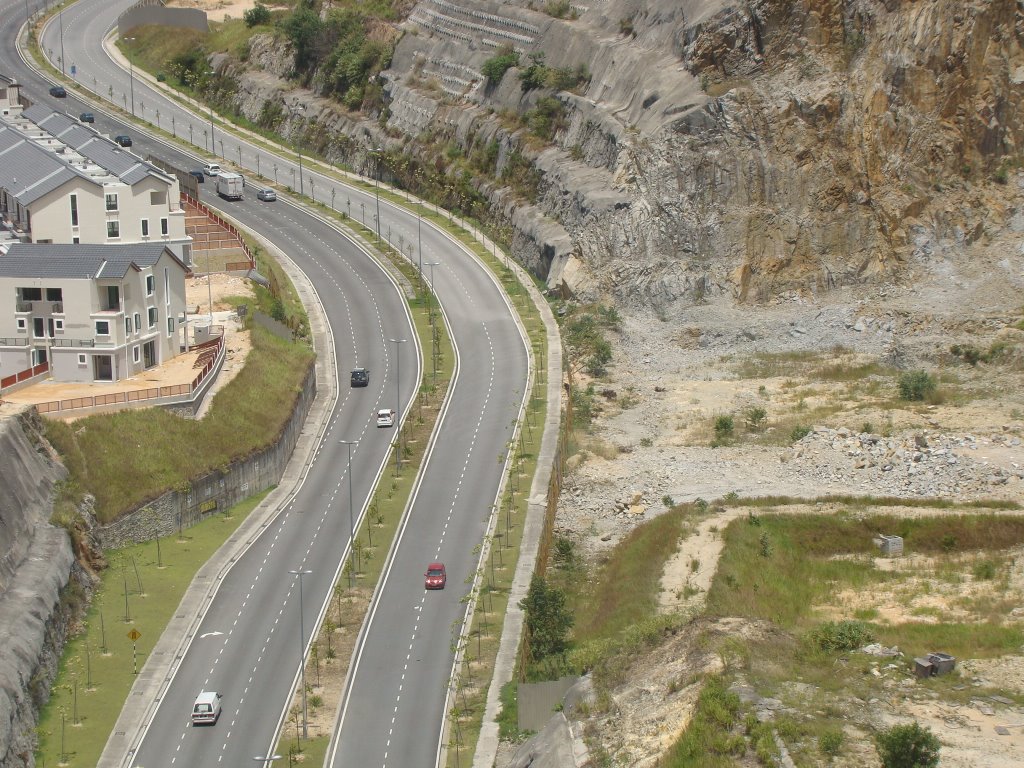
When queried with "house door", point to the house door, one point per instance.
{"points": [[102, 368], [149, 354]]}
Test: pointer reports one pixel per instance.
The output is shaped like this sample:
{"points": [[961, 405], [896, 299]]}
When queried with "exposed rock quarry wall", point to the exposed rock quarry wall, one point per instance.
{"points": [[720, 147], [35, 564]]}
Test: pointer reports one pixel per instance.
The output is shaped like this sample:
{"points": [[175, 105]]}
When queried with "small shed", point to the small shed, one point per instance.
{"points": [[889, 546]]}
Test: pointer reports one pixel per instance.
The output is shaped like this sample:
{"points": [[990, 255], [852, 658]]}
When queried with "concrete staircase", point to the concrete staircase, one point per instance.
{"points": [[214, 246]]}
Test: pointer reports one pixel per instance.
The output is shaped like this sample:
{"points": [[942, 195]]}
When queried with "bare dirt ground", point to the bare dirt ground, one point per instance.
{"points": [[217, 10], [650, 446]]}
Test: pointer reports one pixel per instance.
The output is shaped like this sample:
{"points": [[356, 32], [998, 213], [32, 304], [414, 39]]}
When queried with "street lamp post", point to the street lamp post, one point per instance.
{"points": [[300, 572], [213, 144], [131, 67], [430, 299], [398, 403], [295, 109], [351, 519], [419, 241], [376, 185], [61, 14]]}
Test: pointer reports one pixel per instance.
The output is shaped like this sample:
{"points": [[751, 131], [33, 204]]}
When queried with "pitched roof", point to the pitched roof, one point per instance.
{"points": [[28, 170], [79, 261]]}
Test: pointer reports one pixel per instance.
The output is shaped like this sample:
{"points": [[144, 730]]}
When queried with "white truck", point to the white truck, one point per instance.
{"points": [[229, 186]]}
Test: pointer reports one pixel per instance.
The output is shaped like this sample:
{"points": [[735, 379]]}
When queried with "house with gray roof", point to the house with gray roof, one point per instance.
{"points": [[62, 181], [94, 313]]}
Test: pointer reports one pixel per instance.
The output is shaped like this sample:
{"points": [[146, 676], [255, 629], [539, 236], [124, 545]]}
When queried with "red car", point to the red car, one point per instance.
{"points": [[435, 576]]}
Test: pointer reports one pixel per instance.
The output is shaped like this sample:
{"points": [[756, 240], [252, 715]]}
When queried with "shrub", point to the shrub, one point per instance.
{"points": [[908, 746], [558, 9], [495, 67], [985, 570], [916, 385], [626, 25], [843, 635], [831, 742], [258, 14], [668, 501], [547, 619], [724, 427], [755, 417], [799, 432]]}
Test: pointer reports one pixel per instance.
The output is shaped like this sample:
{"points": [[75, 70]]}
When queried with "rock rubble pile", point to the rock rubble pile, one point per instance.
{"points": [[920, 464]]}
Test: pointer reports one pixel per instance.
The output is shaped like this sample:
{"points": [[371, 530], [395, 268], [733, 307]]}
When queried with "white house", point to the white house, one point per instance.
{"points": [[63, 182], [94, 312]]}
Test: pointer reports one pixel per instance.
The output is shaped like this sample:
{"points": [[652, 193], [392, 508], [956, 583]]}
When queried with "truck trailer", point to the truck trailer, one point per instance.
{"points": [[229, 186]]}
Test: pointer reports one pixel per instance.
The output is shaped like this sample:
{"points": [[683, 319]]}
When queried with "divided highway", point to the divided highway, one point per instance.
{"points": [[247, 646]]}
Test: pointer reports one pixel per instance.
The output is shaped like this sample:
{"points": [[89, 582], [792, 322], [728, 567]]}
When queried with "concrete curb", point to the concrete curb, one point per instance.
{"points": [[162, 664]]}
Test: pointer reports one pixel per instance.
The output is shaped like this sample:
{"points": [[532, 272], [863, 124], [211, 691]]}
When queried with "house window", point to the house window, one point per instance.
{"points": [[170, 326], [138, 322], [74, 210], [128, 326], [81, 359], [163, 226], [31, 294], [75, 240], [150, 285], [113, 229], [167, 286], [152, 317], [158, 198], [58, 324], [54, 294], [38, 327], [22, 324], [145, 227], [102, 327], [135, 354], [111, 198]]}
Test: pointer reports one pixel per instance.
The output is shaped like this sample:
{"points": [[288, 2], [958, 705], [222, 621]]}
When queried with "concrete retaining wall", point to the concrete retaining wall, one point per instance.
{"points": [[538, 701], [217, 491]]}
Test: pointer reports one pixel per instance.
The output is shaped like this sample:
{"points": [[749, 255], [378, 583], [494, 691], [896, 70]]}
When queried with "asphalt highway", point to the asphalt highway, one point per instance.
{"points": [[248, 646]]}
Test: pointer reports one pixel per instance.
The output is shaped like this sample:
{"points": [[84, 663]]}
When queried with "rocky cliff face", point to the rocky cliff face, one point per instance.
{"points": [[718, 147], [37, 562]]}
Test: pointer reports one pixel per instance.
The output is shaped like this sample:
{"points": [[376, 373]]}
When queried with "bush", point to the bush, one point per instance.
{"points": [[843, 635], [724, 427], [831, 742], [908, 746], [799, 432], [917, 385], [495, 67], [258, 14], [547, 619], [755, 417]]}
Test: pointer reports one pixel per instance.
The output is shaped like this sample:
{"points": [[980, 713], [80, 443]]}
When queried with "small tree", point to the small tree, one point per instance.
{"points": [[547, 619], [916, 385], [908, 746], [258, 14]]}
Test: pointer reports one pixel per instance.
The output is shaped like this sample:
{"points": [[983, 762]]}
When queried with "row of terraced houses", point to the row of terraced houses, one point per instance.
{"points": [[93, 251]]}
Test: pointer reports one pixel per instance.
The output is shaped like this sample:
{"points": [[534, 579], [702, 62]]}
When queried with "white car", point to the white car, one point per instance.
{"points": [[386, 417], [211, 169], [206, 710]]}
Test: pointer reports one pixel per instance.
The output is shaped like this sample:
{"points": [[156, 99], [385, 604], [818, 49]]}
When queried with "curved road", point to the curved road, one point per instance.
{"points": [[395, 703]]}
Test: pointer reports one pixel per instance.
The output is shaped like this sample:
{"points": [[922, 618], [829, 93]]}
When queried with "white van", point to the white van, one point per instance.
{"points": [[206, 710]]}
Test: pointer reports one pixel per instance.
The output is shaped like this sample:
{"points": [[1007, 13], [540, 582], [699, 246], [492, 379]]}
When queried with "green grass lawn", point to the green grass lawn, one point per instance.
{"points": [[97, 668], [129, 457]]}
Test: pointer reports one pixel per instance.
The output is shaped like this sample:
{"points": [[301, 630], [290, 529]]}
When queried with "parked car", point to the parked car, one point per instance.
{"points": [[360, 377], [266, 195], [211, 169], [199, 176], [206, 709], [386, 417], [435, 576], [87, 117], [58, 91], [123, 139]]}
